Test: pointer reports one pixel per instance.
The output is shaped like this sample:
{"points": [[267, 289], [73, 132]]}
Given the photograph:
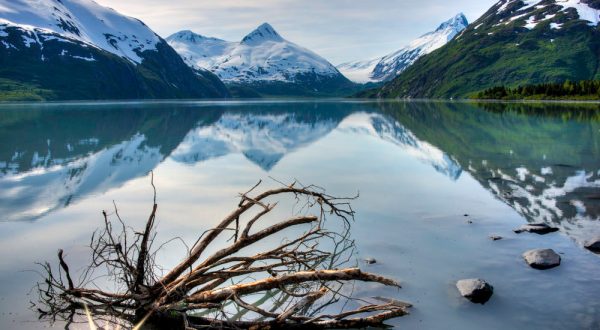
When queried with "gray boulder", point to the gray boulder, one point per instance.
{"points": [[542, 258], [593, 245], [476, 290], [537, 228]]}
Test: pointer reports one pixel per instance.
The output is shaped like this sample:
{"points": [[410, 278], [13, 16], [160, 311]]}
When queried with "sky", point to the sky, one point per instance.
{"points": [[339, 30]]}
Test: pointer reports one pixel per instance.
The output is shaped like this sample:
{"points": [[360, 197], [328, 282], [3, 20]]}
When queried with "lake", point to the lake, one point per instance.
{"points": [[435, 180]]}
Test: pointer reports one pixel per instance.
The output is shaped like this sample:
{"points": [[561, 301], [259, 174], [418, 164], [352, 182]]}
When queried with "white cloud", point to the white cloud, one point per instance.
{"points": [[339, 30]]}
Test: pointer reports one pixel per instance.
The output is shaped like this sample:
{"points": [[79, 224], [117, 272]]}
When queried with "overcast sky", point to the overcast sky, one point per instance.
{"points": [[339, 30]]}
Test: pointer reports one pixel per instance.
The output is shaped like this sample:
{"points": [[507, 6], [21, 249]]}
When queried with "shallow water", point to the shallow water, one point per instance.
{"points": [[420, 167]]}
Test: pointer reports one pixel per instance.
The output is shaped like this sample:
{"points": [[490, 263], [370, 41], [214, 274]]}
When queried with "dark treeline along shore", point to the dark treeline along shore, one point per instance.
{"points": [[582, 90]]}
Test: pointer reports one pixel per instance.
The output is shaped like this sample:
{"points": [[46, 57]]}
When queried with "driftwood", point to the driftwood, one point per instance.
{"points": [[291, 285]]}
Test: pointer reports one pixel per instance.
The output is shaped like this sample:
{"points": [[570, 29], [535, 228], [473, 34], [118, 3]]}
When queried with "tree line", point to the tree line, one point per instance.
{"points": [[583, 90]]}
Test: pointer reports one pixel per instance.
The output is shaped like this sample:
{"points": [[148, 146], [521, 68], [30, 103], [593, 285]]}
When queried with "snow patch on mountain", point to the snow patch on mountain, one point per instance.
{"points": [[262, 55], [584, 11], [389, 66], [81, 20], [531, 23]]}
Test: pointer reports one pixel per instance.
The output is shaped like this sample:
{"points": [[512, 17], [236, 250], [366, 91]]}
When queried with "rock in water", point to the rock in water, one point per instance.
{"points": [[593, 245], [537, 228], [542, 258], [370, 261], [476, 290]]}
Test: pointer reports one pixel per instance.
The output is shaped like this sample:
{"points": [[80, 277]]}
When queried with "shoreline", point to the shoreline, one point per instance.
{"points": [[286, 100]]}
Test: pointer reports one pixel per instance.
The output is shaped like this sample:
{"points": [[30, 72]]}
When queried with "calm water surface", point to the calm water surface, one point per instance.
{"points": [[419, 168]]}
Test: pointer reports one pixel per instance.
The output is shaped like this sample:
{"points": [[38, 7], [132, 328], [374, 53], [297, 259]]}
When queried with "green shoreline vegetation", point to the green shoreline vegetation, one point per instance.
{"points": [[585, 90], [11, 90]]}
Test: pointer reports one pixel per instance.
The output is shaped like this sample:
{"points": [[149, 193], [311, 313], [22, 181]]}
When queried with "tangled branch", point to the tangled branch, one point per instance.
{"points": [[293, 284]]}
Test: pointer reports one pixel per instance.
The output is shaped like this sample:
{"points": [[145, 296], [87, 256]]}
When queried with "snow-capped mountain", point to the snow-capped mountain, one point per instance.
{"points": [[516, 42], [84, 21], [387, 67], [78, 40], [261, 57]]}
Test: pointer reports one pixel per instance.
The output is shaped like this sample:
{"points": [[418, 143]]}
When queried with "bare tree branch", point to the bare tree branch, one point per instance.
{"points": [[290, 283]]}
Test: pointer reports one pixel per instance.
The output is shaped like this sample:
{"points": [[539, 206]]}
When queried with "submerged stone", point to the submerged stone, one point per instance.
{"points": [[537, 228], [394, 302], [475, 290], [542, 258]]}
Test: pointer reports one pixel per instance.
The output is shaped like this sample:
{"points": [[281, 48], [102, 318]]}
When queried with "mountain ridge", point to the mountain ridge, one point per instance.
{"points": [[385, 68]]}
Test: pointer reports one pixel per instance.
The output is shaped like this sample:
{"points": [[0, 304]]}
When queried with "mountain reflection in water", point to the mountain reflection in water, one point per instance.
{"points": [[53, 156]]}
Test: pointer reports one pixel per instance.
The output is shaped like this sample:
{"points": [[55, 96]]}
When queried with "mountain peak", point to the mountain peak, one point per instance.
{"points": [[188, 35], [391, 65], [262, 56], [262, 33], [458, 22]]}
